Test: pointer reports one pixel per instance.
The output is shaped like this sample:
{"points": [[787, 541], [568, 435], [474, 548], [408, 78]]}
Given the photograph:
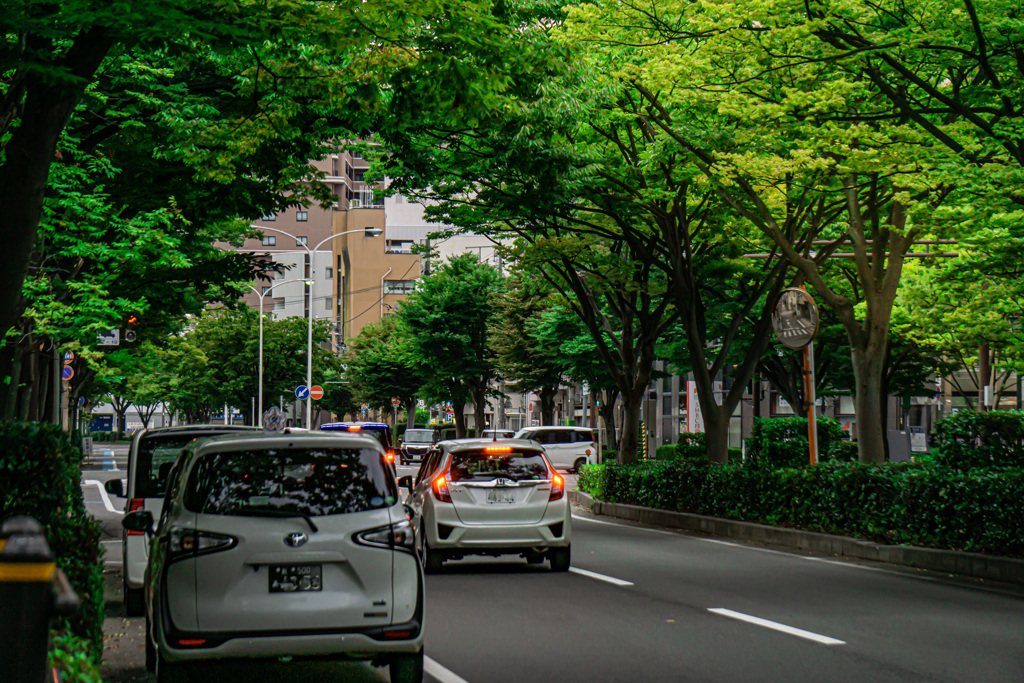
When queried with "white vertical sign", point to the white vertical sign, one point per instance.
{"points": [[694, 420]]}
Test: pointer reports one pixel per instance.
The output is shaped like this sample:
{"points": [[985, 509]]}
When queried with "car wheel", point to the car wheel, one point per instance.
{"points": [[432, 559], [150, 650], [173, 672], [134, 602], [559, 558], [406, 668], [578, 465]]}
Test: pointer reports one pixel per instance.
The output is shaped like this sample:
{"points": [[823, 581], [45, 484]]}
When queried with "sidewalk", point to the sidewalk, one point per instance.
{"points": [[951, 562]]}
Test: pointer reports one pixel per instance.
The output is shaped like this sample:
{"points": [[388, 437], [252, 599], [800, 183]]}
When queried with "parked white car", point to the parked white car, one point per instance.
{"points": [[569, 448], [489, 497], [150, 457], [282, 545]]}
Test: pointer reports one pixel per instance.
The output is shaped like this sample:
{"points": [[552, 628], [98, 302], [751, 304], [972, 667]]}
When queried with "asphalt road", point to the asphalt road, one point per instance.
{"points": [[645, 604]]}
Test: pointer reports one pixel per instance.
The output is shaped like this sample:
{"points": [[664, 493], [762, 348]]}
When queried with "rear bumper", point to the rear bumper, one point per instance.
{"points": [[349, 645], [554, 530]]}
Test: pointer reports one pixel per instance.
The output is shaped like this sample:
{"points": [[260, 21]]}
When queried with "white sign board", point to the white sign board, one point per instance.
{"points": [[694, 420], [111, 338]]}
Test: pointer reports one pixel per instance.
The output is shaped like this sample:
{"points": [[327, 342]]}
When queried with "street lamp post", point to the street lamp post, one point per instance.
{"points": [[369, 232], [259, 412]]}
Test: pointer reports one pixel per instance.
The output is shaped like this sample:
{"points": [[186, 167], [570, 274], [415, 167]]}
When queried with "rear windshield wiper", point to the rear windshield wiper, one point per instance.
{"points": [[270, 512]]}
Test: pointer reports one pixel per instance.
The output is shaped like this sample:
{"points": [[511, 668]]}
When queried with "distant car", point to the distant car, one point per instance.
{"points": [[150, 457], [378, 430], [499, 433], [282, 545], [567, 447], [416, 443], [485, 497]]}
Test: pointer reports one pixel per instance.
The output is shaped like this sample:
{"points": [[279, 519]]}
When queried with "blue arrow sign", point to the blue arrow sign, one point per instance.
{"points": [[302, 392]]}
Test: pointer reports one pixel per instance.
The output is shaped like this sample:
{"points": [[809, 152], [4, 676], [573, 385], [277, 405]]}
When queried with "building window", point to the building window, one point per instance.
{"points": [[399, 199], [269, 240], [266, 289], [301, 241], [399, 286], [328, 273], [327, 303], [268, 217], [278, 304], [782, 406], [846, 406], [302, 216], [356, 155], [398, 246]]}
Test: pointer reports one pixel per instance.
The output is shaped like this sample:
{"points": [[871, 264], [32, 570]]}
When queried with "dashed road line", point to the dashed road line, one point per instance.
{"points": [[600, 577], [776, 626], [440, 673]]}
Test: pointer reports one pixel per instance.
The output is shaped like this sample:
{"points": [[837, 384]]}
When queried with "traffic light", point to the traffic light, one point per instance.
{"points": [[129, 328]]}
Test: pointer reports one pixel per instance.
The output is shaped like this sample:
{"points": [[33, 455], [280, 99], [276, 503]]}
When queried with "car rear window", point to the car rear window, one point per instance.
{"points": [[155, 456], [518, 464], [382, 434]]}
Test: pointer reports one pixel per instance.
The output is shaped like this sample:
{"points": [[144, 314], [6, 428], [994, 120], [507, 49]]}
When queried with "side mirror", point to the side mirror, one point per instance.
{"points": [[406, 482], [140, 520], [114, 487]]}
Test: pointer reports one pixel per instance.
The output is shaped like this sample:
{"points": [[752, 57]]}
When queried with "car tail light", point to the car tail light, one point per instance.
{"points": [[391, 456], [397, 535], [191, 642], [557, 487], [440, 488], [133, 505], [398, 634], [498, 449], [188, 542]]}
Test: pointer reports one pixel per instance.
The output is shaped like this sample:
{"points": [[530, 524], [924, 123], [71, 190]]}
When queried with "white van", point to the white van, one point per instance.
{"points": [[569, 448]]}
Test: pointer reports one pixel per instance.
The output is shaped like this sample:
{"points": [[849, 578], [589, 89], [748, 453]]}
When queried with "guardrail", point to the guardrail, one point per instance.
{"points": [[33, 591]]}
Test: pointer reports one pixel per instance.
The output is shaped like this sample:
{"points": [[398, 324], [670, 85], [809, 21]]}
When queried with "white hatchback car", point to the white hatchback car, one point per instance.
{"points": [[282, 545], [489, 497]]}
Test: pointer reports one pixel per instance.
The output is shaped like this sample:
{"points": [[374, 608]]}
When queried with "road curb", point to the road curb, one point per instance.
{"points": [[974, 565]]}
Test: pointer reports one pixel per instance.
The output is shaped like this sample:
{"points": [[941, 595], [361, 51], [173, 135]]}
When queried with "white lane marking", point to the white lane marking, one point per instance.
{"points": [[774, 625], [103, 493], [600, 577], [440, 673]]}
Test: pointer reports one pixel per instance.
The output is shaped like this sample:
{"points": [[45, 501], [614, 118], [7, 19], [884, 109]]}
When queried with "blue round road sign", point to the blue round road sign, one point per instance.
{"points": [[68, 372], [302, 392]]}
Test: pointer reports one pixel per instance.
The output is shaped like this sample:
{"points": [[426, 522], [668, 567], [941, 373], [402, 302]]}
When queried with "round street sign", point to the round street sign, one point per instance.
{"points": [[68, 373], [69, 357], [795, 318], [396, 402], [302, 392], [316, 392], [273, 419]]}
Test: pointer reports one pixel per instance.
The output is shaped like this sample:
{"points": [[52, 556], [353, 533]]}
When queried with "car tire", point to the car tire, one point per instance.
{"points": [[432, 559], [150, 650], [173, 672], [559, 559], [406, 668], [134, 602], [578, 465]]}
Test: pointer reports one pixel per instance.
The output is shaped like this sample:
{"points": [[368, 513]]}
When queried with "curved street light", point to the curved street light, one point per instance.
{"points": [[309, 283], [369, 232]]}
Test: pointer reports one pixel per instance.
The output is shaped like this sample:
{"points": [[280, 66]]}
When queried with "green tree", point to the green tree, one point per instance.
{"points": [[448, 320], [382, 366]]}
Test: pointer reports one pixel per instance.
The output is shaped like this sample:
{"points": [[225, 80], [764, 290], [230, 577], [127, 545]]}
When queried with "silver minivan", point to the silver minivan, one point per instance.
{"points": [[283, 545]]}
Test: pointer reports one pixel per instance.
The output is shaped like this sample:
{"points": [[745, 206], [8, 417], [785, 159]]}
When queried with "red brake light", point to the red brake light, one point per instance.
{"points": [[354, 428], [498, 449], [440, 488], [391, 456], [557, 487], [133, 505], [191, 642]]}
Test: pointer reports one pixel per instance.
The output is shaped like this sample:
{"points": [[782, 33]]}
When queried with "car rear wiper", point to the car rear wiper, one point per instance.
{"points": [[270, 512]]}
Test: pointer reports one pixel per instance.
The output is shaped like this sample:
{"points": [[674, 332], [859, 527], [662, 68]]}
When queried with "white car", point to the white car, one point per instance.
{"points": [[489, 497], [282, 545], [569, 448], [150, 457]]}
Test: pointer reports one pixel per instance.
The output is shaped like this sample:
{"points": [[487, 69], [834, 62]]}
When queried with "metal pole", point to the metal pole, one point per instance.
{"points": [[812, 422], [309, 342], [259, 392]]}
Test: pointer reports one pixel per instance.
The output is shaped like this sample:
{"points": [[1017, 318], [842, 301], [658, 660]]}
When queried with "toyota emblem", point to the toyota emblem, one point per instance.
{"points": [[295, 539]]}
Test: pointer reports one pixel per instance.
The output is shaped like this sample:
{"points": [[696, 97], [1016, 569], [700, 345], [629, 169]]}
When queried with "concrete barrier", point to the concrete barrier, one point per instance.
{"points": [[975, 565]]}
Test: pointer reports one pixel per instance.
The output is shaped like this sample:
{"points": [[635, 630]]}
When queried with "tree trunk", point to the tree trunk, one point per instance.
{"points": [[629, 444], [984, 375], [11, 402], [459, 417], [716, 434], [547, 404], [479, 394], [868, 369], [607, 411], [410, 412]]}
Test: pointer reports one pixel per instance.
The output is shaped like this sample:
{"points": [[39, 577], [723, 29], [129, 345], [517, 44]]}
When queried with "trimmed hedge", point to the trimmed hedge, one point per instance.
{"points": [[40, 476], [905, 503], [782, 442], [968, 439]]}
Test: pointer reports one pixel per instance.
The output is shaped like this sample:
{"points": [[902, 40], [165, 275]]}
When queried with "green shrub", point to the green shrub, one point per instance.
{"points": [[40, 476], [977, 510], [589, 479], [73, 658], [666, 452], [968, 439], [692, 445], [782, 441]]}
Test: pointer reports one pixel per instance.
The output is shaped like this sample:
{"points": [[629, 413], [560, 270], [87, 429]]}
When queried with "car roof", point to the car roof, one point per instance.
{"points": [[559, 427], [338, 425], [184, 429], [263, 439]]}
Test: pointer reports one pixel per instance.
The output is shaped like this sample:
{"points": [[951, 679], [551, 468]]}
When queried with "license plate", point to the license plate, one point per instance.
{"points": [[295, 578], [501, 496]]}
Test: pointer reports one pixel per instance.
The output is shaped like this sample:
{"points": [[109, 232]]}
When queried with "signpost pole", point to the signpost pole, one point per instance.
{"points": [[812, 420]]}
